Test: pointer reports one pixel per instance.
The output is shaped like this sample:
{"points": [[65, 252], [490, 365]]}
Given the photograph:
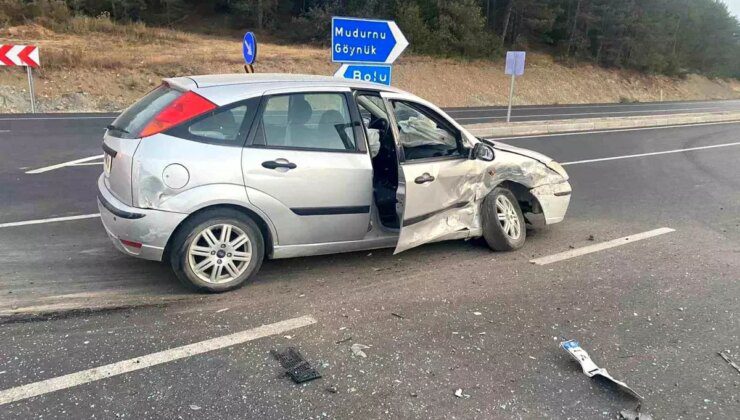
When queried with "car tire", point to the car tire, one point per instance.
{"points": [[218, 261], [499, 208]]}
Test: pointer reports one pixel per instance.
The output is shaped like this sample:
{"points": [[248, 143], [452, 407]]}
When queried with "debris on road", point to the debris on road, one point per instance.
{"points": [[634, 415], [344, 340], [591, 238], [357, 349], [222, 310], [194, 407], [332, 389], [459, 394], [728, 360], [398, 315], [295, 365], [589, 367]]}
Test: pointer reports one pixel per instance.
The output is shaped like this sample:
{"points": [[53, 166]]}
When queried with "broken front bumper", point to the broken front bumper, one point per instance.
{"points": [[554, 200], [129, 226]]}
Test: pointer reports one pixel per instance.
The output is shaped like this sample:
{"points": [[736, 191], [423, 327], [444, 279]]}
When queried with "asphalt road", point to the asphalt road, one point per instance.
{"points": [[654, 313]]}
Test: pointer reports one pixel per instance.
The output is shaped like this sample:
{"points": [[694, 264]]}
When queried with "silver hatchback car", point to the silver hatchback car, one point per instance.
{"points": [[213, 174]]}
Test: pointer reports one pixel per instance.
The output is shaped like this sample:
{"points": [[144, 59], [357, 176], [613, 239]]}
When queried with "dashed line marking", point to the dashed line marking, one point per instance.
{"points": [[666, 152], [50, 220], [138, 363], [62, 165], [573, 253]]}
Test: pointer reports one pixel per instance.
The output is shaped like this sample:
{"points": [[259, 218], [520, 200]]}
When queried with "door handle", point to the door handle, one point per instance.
{"points": [[279, 163], [423, 179]]}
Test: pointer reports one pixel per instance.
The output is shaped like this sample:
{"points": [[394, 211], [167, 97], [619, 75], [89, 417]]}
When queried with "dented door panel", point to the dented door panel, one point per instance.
{"points": [[464, 187]]}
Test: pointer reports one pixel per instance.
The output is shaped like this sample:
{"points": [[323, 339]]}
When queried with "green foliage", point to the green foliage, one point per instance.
{"points": [[461, 30], [15, 12], [672, 37]]}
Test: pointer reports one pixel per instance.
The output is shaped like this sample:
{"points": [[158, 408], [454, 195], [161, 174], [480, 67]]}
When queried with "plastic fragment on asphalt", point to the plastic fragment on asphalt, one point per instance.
{"points": [[634, 415], [590, 368], [728, 360], [397, 315], [357, 349], [295, 365], [459, 394]]}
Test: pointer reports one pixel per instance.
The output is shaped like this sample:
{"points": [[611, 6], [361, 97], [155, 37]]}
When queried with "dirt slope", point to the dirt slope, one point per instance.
{"points": [[95, 65]]}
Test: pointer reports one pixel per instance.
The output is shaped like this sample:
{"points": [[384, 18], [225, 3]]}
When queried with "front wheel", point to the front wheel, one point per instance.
{"points": [[217, 251], [504, 227]]}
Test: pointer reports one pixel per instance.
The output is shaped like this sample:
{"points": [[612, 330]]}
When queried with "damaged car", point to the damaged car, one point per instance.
{"points": [[213, 174]]}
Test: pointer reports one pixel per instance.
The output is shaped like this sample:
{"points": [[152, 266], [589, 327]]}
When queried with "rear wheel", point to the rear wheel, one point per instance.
{"points": [[504, 227], [217, 251]]}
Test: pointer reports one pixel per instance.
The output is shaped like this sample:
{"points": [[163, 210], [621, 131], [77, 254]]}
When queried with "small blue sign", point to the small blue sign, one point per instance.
{"points": [[515, 62], [249, 48], [365, 41], [366, 72]]}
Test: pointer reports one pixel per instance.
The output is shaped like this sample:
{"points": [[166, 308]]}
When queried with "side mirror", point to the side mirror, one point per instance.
{"points": [[483, 152]]}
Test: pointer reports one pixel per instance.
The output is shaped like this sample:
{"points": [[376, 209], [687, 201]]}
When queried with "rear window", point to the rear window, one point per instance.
{"points": [[130, 123]]}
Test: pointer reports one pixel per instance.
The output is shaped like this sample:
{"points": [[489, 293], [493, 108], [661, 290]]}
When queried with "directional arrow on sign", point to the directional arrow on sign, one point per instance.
{"points": [[19, 55], [375, 73], [366, 41]]}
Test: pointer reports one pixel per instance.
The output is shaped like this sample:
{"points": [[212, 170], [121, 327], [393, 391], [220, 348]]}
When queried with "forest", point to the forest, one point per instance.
{"points": [[672, 37]]}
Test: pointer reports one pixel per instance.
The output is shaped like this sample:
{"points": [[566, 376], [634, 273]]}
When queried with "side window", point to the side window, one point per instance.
{"points": [[423, 133], [223, 126], [226, 125], [318, 121]]}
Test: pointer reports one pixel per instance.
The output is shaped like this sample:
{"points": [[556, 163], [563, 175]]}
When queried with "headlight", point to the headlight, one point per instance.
{"points": [[558, 168]]}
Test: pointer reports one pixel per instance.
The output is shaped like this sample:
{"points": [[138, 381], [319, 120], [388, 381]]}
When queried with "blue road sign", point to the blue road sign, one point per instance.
{"points": [[515, 62], [365, 72], [249, 48], [365, 41]]}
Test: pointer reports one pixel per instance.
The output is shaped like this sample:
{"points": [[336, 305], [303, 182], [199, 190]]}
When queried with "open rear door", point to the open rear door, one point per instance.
{"points": [[437, 180]]}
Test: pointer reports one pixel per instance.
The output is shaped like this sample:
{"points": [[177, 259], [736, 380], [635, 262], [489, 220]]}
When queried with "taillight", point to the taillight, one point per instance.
{"points": [[187, 106]]}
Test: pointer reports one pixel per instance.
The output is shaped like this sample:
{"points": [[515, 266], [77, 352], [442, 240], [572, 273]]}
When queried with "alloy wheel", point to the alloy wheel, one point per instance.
{"points": [[508, 218], [220, 253]]}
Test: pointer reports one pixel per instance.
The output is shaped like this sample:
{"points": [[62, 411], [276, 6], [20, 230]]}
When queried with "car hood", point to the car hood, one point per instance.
{"points": [[522, 152]]}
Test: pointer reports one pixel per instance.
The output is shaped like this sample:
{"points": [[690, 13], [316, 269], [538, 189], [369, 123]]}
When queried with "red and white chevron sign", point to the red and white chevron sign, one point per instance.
{"points": [[19, 55]]}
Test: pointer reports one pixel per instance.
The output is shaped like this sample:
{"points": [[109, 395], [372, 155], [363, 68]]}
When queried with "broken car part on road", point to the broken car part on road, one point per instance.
{"points": [[589, 367], [295, 365]]}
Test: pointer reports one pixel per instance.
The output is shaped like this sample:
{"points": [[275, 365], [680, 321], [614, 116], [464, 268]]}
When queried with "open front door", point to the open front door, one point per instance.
{"points": [[437, 180]]}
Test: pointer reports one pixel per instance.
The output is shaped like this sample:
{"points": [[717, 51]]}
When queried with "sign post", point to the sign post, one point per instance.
{"points": [[31, 90], [366, 47], [249, 51], [515, 67], [22, 55]]}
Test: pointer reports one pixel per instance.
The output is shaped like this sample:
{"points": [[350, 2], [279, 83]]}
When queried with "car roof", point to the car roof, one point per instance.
{"points": [[265, 81]]}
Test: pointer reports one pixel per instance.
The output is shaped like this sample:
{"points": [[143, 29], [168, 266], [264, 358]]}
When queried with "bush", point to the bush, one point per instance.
{"points": [[409, 19], [314, 25], [18, 12], [462, 30]]}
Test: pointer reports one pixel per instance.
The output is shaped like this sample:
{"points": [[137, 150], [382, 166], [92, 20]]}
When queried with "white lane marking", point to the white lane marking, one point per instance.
{"points": [[51, 220], [599, 247], [79, 378], [91, 117], [656, 112], [617, 130], [87, 164], [62, 165], [666, 152]]}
